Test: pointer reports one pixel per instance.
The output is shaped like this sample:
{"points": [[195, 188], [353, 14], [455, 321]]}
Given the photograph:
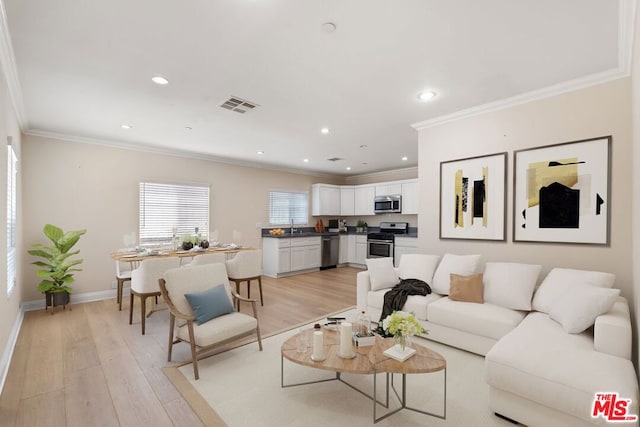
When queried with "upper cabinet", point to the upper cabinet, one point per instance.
{"points": [[388, 188], [410, 197], [347, 200], [364, 195], [325, 199]]}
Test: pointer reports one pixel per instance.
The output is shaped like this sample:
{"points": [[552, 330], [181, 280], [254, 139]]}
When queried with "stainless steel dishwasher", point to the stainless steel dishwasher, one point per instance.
{"points": [[330, 248]]}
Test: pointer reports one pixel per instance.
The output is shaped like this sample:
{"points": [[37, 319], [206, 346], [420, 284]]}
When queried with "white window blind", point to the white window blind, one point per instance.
{"points": [[286, 207], [12, 174], [164, 207]]}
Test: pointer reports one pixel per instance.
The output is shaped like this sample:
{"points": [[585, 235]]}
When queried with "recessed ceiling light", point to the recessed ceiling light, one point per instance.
{"points": [[329, 27], [159, 80], [260, 152], [125, 126], [306, 160], [363, 146], [348, 168], [405, 158], [188, 128], [426, 95], [324, 130]]}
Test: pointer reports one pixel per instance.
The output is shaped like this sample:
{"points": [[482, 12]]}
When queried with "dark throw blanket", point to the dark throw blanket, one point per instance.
{"points": [[395, 299]]}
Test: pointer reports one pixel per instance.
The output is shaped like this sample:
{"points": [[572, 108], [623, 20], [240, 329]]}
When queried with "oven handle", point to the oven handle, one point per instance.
{"points": [[388, 242]]}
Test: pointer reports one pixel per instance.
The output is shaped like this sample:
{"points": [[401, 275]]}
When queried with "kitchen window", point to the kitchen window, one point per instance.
{"points": [[168, 207], [288, 207], [12, 177]]}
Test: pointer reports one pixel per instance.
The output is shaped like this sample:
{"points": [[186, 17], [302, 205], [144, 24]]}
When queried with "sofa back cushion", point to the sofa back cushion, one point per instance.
{"points": [[559, 279], [510, 284], [577, 308], [464, 265], [418, 266], [381, 273]]}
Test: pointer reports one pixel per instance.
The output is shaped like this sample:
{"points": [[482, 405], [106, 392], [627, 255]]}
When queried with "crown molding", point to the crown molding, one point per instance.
{"points": [[145, 148], [10, 70], [626, 28]]}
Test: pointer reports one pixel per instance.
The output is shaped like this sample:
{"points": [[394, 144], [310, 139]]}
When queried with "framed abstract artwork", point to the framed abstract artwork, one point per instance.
{"points": [[473, 198], [561, 193]]}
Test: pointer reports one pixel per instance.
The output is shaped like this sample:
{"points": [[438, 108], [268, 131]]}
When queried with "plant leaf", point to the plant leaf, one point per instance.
{"points": [[53, 233]]}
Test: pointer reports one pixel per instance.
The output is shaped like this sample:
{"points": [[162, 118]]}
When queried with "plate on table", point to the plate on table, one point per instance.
{"points": [[129, 256]]}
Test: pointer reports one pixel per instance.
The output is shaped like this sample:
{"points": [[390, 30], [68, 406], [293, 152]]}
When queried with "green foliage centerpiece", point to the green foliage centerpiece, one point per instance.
{"points": [[402, 326], [57, 268]]}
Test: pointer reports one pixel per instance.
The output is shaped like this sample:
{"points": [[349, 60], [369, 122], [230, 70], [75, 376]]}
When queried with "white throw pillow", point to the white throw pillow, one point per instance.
{"points": [[381, 273], [418, 266], [463, 265], [577, 308], [557, 281], [510, 284]]}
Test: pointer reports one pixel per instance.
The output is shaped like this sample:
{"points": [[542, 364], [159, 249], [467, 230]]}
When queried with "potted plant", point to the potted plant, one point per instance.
{"points": [[360, 226], [58, 268]]}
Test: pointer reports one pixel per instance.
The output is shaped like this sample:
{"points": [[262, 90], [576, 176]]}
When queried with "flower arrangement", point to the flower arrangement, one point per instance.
{"points": [[401, 325]]}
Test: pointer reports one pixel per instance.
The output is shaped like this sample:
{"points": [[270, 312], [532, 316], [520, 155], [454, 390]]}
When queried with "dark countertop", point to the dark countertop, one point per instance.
{"points": [[306, 233]]}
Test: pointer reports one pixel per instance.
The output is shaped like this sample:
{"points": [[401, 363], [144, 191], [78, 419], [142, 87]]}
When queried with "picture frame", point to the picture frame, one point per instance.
{"points": [[562, 192], [473, 198]]}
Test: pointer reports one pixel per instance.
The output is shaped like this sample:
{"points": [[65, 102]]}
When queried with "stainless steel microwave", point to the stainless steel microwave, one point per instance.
{"points": [[388, 204]]}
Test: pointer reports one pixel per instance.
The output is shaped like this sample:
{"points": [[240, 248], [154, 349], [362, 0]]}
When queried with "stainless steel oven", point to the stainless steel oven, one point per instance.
{"points": [[380, 244]]}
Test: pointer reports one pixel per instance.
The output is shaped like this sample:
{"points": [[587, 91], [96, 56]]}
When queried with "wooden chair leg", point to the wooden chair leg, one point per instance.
{"points": [[237, 292], [143, 310], [260, 288], [131, 309], [248, 288], [172, 322], [194, 356]]}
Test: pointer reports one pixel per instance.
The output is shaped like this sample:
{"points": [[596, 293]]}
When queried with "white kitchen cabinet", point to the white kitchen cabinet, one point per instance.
{"points": [[410, 197], [404, 245], [343, 255], [325, 199], [364, 195], [387, 189], [351, 249], [283, 256], [361, 249], [347, 200]]}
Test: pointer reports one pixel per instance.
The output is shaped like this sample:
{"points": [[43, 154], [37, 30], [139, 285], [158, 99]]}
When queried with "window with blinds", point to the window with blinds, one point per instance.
{"points": [[165, 207], [12, 174], [287, 207]]}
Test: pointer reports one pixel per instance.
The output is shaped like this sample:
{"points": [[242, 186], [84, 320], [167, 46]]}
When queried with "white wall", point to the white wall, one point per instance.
{"points": [[597, 111], [10, 315], [75, 185]]}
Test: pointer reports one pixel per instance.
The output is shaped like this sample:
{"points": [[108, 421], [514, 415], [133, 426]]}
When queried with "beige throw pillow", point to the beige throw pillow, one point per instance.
{"points": [[466, 288]]}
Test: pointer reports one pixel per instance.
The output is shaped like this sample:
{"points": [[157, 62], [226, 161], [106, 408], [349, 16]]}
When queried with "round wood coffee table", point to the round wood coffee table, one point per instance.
{"points": [[369, 360]]}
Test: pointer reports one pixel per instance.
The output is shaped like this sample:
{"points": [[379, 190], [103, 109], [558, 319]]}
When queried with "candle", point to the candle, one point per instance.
{"points": [[318, 345], [346, 336]]}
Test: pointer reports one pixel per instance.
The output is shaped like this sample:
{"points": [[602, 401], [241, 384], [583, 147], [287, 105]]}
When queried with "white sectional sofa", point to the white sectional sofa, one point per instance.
{"points": [[538, 372]]}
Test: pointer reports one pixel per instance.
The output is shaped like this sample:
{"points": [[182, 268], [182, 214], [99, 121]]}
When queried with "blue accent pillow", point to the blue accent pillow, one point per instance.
{"points": [[209, 304]]}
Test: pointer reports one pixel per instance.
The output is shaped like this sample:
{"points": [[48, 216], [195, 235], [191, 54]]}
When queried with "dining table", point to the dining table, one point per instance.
{"points": [[135, 256]]}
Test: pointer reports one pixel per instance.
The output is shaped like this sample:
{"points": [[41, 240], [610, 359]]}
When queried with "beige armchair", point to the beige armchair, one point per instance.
{"points": [[245, 267], [144, 282], [216, 332]]}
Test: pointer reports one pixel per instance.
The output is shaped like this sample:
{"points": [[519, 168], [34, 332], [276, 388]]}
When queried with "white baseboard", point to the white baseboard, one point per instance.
{"points": [[5, 361], [76, 298]]}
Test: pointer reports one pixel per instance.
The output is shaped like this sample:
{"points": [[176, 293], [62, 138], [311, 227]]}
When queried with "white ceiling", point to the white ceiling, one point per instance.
{"points": [[85, 67]]}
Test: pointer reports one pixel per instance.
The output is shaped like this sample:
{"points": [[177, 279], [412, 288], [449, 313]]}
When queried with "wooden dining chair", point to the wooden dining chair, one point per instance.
{"points": [[245, 267], [144, 282], [200, 303]]}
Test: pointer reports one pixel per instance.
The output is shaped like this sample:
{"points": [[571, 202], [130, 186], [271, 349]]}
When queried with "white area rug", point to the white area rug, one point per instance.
{"points": [[243, 387]]}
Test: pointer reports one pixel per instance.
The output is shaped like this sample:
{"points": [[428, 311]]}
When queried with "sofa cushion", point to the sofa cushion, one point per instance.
{"points": [[487, 320], [381, 273], [466, 288], [464, 265], [556, 282], [416, 304], [510, 284], [418, 266], [539, 361], [219, 329], [577, 308]]}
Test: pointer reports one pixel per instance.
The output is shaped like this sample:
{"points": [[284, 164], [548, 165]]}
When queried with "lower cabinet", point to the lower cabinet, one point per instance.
{"points": [[281, 256], [361, 250], [343, 255], [404, 245]]}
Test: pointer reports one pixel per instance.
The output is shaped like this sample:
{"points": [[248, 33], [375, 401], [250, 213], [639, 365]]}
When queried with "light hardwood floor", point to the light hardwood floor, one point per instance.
{"points": [[89, 367]]}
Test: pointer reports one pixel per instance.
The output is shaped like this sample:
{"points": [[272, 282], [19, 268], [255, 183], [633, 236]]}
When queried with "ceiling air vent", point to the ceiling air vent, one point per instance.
{"points": [[238, 105], [335, 159]]}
